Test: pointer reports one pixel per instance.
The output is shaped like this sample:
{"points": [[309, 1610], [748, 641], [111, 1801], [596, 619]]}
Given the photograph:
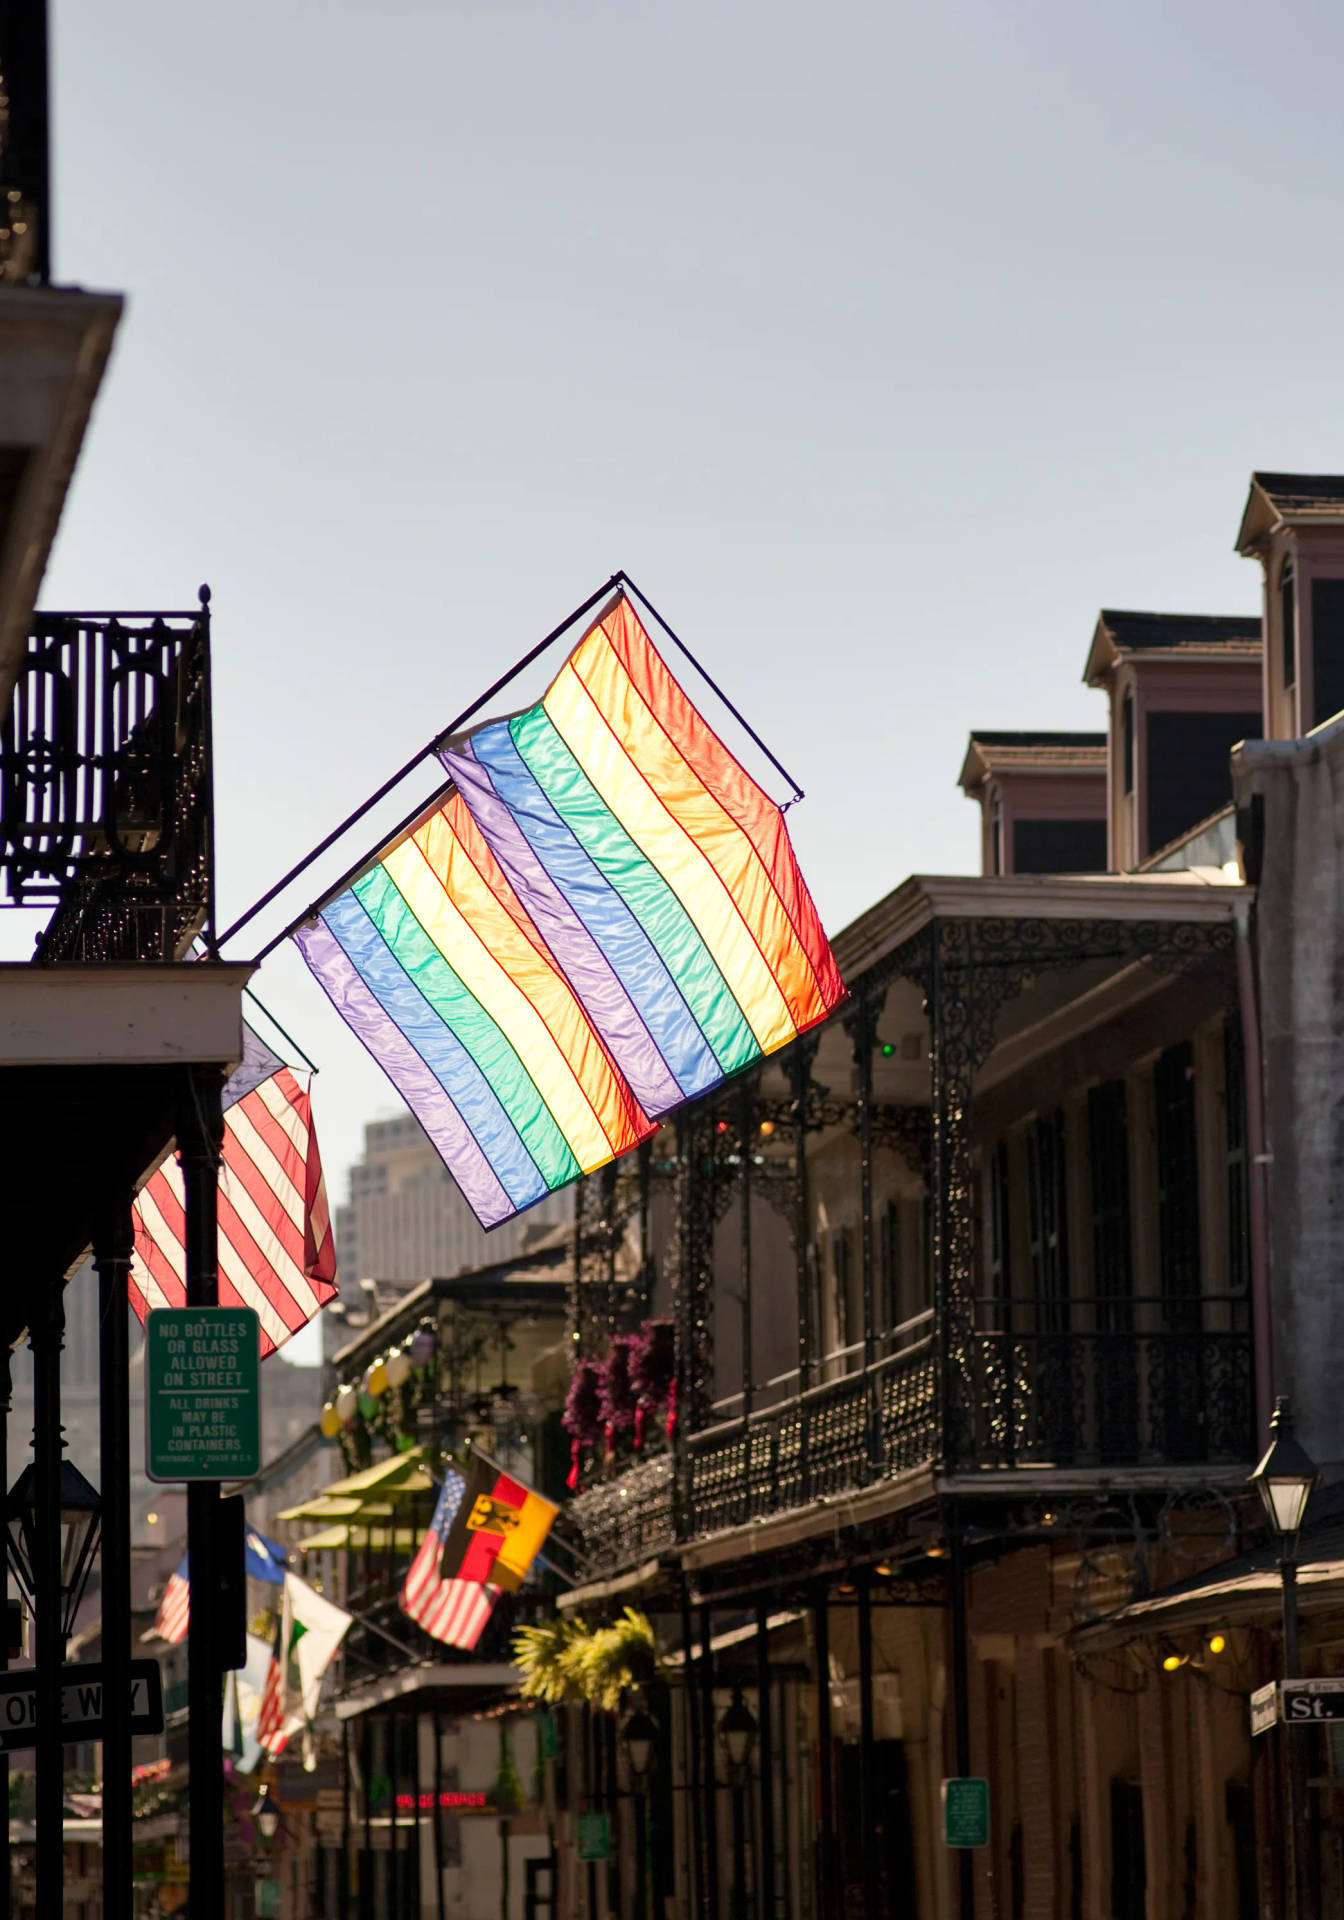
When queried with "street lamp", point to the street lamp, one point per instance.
{"points": [[737, 1732], [79, 1519], [640, 1737], [1285, 1478], [640, 1734], [265, 1814]]}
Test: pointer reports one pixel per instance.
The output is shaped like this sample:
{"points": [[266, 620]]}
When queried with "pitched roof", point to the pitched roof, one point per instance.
{"points": [[1275, 497], [992, 750], [1203, 636]]}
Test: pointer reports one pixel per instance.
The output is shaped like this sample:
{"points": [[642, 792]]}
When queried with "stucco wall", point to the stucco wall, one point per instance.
{"points": [[1299, 942]]}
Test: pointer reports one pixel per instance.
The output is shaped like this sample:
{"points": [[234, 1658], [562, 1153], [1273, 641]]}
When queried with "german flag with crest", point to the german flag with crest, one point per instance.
{"points": [[498, 1529]]}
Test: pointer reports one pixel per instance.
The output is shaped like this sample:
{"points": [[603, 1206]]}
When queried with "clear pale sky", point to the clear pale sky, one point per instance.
{"points": [[882, 344]]}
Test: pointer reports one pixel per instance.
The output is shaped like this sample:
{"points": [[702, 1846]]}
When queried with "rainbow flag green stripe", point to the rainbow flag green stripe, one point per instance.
{"points": [[603, 919]]}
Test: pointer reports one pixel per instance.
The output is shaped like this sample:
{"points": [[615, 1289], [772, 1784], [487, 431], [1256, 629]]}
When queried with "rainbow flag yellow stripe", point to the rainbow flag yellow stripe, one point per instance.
{"points": [[603, 919]]}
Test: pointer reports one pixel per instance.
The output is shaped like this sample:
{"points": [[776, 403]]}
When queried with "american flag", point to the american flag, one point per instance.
{"points": [[454, 1611], [170, 1622], [276, 1249], [272, 1733]]}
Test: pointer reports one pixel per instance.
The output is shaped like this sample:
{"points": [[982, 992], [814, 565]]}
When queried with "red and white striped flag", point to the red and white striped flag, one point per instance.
{"points": [[454, 1611], [277, 1252], [171, 1620], [272, 1733]]}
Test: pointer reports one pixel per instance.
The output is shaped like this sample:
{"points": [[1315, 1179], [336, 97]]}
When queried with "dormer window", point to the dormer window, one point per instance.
{"points": [[1127, 740], [1288, 624]]}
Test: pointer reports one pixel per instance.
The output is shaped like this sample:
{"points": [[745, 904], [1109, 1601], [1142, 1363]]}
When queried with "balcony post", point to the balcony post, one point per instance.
{"points": [[200, 1132], [800, 1079], [746, 1129], [821, 1641], [46, 1339], [112, 1256], [6, 1402], [708, 1729]]}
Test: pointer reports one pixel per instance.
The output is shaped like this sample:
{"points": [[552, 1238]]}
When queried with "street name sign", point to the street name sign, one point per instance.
{"points": [[81, 1703], [966, 1812], [202, 1394], [1264, 1707], [1298, 1703]]}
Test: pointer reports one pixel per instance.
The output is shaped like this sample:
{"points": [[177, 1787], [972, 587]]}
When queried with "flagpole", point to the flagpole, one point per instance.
{"points": [[389, 785]]}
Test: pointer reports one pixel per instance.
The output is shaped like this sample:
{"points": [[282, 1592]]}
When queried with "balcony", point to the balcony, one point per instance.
{"points": [[105, 786], [1170, 1390]]}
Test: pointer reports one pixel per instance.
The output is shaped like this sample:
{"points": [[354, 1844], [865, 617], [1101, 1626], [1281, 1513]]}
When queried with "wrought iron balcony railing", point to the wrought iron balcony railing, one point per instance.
{"points": [[1125, 1383], [1130, 1381], [105, 785]]}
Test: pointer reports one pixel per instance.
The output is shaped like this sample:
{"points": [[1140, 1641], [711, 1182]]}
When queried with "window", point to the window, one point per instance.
{"points": [[1047, 1222], [1288, 624], [842, 1268], [1129, 1865], [889, 1267], [999, 1284], [1236, 1161], [1327, 649], [1059, 846], [1177, 1186], [1189, 774], [1108, 1150], [1127, 742]]}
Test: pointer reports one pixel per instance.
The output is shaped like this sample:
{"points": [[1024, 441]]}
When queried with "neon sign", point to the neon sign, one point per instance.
{"points": [[408, 1802]]}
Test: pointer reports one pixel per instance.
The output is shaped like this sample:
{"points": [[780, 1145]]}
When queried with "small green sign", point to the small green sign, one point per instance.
{"points": [[594, 1836], [269, 1903], [966, 1813], [202, 1398], [548, 1736]]}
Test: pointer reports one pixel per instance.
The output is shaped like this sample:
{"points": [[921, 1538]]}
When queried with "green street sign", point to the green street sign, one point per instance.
{"points": [[594, 1836], [548, 1736], [966, 1813], [202, 1394]]}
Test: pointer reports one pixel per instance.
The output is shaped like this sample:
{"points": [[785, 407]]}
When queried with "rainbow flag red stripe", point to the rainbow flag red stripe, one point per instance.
{"points": [[603, 919]]}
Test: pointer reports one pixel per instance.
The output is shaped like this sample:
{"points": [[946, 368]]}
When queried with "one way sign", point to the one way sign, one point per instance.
{"points": [[81, 1703]]}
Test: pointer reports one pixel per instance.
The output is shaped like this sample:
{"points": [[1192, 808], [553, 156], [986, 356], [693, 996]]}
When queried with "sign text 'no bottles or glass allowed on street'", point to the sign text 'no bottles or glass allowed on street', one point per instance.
{"points": [[966, 1812], [202, 1394]]}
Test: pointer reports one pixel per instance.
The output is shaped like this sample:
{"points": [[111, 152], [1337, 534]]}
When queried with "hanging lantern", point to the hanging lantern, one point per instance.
{"points": [[375, 1377], [423, 1344], [347, 1404], [368, 1406], [78, 1519], [329, 1421], [398, 1367]]}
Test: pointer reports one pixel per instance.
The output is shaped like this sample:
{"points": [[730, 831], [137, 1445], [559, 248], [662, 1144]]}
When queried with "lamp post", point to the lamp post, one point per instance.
{"points": [[737, 1732], [1284, 1479], [79, 1520], [640, 1737]]}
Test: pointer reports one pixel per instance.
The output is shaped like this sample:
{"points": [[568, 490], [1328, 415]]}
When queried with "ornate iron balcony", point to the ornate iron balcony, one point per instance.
{"points": [[106, 808]]}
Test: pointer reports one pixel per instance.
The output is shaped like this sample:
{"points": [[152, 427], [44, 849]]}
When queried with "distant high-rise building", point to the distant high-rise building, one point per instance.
{"points": [[405, 1221]]}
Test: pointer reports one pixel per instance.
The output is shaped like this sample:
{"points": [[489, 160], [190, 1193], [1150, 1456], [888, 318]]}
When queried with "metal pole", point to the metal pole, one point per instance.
{"points": [[867, 1807], [200, 1130], [961, 1703], [1293, 1785], [49, 1643], [746, 1127], [641, 1851], [438, 1820], [711, 1782], [112, 1255], [821, 1623], [6, 1393], [766, 1876], [739, 1848], [691, 1725], [345, 1821]]}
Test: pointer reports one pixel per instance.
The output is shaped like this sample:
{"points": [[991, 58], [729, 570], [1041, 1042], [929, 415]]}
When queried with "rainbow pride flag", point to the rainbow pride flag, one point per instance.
{"points": [[602, 919]]}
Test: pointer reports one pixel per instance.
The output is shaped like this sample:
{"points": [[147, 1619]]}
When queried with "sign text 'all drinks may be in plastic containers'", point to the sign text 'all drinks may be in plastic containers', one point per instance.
{"points": [[202, 1400]]}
